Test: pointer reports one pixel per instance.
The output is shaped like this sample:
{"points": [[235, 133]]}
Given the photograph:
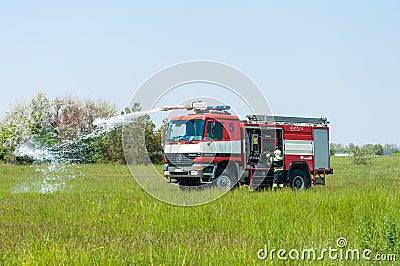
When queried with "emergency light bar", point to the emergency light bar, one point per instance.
{"points": [[219, 108]]}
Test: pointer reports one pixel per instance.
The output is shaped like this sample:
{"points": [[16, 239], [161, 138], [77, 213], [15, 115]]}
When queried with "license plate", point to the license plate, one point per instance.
{"points": [[179, 170]]}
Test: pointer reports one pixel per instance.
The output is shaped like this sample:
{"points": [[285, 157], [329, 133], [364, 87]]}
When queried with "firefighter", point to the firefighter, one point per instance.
{"points": [[277, 164]]}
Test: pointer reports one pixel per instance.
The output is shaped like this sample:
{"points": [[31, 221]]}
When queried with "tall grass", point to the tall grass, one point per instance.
{"points": [[105, 218]]}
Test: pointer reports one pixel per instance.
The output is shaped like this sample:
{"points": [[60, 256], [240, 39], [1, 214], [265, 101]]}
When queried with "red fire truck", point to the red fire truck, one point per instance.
{"points": [[213, 147]]}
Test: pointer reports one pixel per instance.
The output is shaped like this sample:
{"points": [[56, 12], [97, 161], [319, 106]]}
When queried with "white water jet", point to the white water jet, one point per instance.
{"points": [[126, 118], [57, 164]]}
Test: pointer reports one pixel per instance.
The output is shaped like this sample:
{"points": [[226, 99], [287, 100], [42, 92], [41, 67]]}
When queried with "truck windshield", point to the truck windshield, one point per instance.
{"points": [[185, 130]]}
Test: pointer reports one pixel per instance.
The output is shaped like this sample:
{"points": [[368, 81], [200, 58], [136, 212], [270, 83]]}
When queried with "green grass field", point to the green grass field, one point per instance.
{"points": [[104, 218]]}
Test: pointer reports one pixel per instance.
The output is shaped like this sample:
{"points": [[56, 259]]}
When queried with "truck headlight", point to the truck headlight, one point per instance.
{"points": [[194, 172]]}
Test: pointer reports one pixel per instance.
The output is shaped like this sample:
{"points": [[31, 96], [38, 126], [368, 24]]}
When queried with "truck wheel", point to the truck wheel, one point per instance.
{"points": [[299, 180], [225, 181]]}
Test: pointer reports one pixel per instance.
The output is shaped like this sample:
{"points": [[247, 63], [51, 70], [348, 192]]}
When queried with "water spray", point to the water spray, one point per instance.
{"points": [[128, 118]]}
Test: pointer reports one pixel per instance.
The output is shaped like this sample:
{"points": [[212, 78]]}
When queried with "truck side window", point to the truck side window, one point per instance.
{"points": [[215, 131]]}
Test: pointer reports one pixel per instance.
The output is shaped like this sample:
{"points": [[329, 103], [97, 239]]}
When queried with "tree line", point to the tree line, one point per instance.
{"points": [[65, 122], [375, 149], [58, 123], [363, 155]]}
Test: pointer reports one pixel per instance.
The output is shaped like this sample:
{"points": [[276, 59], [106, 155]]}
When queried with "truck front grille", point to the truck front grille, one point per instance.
{"points": [[179, 159]]}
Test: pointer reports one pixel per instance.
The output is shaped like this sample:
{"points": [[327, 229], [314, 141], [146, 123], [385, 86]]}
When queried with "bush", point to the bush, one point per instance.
{"points": [[362, 156]]}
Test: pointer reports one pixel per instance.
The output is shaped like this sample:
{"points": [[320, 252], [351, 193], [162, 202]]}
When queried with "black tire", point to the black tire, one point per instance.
{"points": [[225, 181], [299, 180]]}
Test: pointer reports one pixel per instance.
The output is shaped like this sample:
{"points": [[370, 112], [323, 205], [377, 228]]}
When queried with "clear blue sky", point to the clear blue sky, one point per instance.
{"points": [[340, 59]]}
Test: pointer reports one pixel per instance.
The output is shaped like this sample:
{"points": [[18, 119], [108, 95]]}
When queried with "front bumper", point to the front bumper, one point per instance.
{"points": [[198, 173]]}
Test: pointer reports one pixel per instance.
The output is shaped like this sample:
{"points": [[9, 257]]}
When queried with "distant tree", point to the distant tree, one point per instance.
{"points": [[109, 146], [17, 124], [41, 120], [72, 117], [338, 149], [352, 147], [163, 131], [5, 149], [388, 149], [332, 149], [378, 149]]}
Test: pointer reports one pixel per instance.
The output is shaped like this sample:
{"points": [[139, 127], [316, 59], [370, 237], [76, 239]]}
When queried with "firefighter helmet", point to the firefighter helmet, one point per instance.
{"points": [[277, 152]]}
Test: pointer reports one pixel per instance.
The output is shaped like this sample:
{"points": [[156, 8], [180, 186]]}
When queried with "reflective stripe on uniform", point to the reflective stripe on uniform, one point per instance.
{"points": [[277, 169]]}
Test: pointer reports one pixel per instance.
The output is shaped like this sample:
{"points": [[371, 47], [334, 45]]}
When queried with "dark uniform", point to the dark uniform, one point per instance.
{"points": [[277, 164]]}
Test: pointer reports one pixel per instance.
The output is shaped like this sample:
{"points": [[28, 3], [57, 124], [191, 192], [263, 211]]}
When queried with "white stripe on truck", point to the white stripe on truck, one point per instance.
{"points": [[229, 147]]}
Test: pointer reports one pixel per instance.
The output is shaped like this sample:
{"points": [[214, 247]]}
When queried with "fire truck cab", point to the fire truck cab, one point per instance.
{"points": [[213, 147]]}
